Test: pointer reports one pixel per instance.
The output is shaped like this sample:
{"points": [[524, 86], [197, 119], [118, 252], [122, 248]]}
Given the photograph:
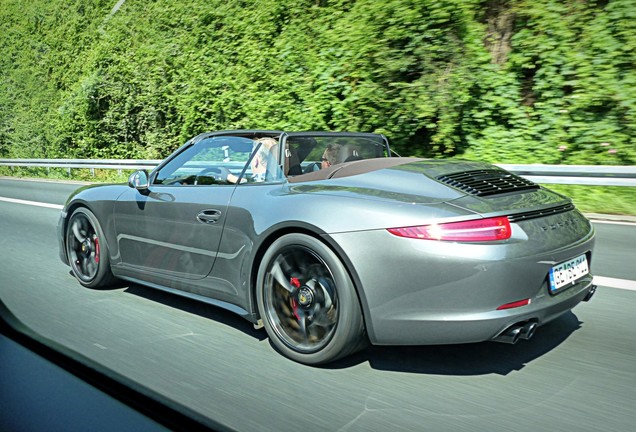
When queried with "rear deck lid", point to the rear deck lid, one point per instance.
{"points": [[474, 186]]}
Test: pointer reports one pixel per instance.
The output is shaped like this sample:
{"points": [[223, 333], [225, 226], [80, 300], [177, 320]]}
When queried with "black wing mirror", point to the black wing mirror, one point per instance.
{"points": [[139, 180]]}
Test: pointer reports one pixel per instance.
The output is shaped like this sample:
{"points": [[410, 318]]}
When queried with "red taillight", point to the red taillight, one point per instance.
{"points": [[497, 228]]}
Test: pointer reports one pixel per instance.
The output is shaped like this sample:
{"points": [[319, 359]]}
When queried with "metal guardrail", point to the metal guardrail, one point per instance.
{"points": [[81, 163], [90, 164], [595, 175]]}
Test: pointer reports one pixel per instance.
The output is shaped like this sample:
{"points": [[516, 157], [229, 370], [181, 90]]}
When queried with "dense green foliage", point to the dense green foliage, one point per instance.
{"points": [[508, 81]]}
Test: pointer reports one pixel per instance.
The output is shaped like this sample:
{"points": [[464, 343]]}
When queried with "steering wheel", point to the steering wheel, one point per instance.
{"points": [[220, 174]]}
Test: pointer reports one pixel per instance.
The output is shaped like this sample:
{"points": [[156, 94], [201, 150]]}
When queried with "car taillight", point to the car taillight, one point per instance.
{"points": [[479, 230]]}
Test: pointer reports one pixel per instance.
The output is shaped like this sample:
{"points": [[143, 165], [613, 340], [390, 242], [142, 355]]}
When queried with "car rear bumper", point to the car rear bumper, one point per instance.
{"points": [[423, 292], [477, 327]]}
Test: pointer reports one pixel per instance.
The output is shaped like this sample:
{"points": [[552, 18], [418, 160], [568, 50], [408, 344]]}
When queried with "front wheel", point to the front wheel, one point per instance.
{"points": [[307, 301], [87, 251]]}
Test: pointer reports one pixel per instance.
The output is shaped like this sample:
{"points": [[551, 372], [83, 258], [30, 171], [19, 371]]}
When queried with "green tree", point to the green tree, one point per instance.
{"points": [[496, 80]]}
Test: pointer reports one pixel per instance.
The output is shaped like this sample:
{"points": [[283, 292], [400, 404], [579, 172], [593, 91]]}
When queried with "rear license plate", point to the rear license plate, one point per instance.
{"points": [[567, 273]]}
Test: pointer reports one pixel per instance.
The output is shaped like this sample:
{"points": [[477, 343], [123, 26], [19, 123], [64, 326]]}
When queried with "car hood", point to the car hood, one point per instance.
{"points": [[425, 181]]}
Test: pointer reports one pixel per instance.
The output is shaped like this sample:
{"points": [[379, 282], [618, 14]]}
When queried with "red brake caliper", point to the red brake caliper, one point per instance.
{"points": [[96, 240], [295, 282]]}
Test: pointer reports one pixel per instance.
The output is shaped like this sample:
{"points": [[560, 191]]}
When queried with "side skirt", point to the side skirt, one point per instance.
{"points": [[214, 302]]}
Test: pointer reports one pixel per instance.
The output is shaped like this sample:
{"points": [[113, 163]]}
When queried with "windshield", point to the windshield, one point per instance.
{"points": [[222, 160]]}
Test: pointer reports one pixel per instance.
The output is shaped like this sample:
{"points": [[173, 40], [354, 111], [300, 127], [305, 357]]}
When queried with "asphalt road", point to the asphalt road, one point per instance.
{"points": [[577, 373]]}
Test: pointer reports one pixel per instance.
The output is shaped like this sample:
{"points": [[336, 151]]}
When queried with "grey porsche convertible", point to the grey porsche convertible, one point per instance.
{"points": [[330, 242]]}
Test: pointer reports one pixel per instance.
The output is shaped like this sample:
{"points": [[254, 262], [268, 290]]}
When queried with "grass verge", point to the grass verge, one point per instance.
{"points": [[600, 199]]}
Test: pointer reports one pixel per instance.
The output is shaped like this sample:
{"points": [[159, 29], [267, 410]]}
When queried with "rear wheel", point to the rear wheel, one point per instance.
{"points": [[87, 251], [307, 301]]}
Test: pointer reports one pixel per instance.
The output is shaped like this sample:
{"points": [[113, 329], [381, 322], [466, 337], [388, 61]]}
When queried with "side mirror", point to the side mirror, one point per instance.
{"points": [[139, 180]]}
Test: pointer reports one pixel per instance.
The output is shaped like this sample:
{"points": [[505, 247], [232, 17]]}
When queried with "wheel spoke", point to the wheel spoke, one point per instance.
{"points": [[324, 317], [326, 292], [279, 275], [84, 266], [85, 226], [293, 268], [76, 231], [91, 267], [302, 323]]}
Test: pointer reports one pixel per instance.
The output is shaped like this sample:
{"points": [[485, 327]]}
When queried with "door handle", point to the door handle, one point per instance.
{"points": [[209, 216]]}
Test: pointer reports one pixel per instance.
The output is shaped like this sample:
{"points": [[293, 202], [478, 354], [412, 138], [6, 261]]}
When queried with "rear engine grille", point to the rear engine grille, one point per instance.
{"points": [[540, 213], [487, 182]]}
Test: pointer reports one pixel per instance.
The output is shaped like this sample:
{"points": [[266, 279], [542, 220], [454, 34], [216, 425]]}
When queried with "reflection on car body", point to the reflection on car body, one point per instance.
{"points": [[328, 257]]}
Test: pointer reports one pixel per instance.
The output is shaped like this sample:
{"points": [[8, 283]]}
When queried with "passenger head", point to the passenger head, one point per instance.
{"points": [[330, 156]]}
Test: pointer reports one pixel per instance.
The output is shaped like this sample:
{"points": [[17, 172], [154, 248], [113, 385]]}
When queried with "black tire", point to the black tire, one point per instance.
{"points": [[307, 301], [87, 251]]}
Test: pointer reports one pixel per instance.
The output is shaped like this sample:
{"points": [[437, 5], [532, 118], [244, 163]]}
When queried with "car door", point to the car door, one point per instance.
{"points": [[174, 227]]}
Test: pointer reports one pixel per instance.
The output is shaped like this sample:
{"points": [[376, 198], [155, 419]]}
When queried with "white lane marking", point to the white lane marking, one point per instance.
{"points": [[596, 221], [32, 203], [615, 283]]}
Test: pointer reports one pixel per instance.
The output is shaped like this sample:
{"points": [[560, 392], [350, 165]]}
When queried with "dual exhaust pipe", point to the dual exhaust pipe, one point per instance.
{"points": [[512, 334], [525, 330]]}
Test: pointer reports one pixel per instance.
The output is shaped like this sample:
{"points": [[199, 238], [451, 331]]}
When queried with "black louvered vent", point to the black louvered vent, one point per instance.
{"points": [[487, 182], [540, 213]]}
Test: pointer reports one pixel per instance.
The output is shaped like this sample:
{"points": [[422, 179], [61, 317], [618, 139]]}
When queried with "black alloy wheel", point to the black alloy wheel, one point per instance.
{"points": [[307, 301], [86, 251]]}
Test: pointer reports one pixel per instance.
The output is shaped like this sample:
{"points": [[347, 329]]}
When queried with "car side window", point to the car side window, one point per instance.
{"points": [[211, 161]]}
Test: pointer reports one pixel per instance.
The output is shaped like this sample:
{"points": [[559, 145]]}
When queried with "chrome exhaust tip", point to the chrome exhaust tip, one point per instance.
{"points": [[510, 336], [527, 331], [590, 293]]}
